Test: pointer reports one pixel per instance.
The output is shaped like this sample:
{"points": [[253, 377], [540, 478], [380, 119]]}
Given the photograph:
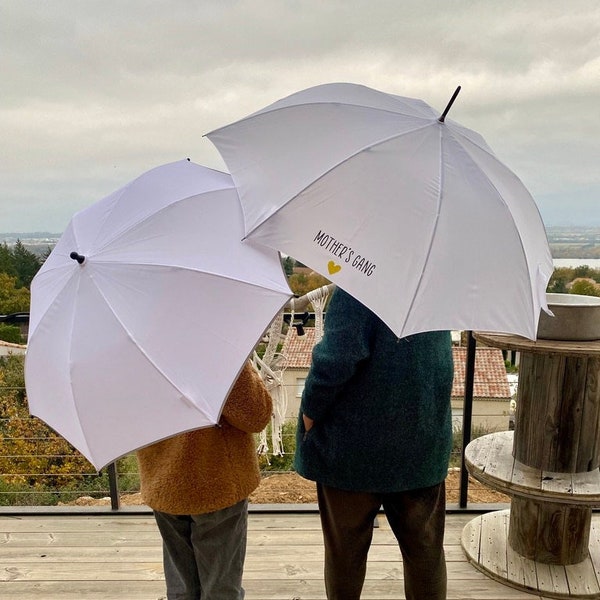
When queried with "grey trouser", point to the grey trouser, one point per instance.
{"points": [[203, 555], [417, 519]]}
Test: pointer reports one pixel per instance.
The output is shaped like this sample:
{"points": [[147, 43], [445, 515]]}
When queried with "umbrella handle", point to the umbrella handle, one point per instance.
{"points": [[443, 116]]}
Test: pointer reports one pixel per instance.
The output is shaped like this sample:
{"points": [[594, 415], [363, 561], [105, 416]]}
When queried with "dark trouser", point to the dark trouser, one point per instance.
{"points": [[417, 518], [204, 555]]}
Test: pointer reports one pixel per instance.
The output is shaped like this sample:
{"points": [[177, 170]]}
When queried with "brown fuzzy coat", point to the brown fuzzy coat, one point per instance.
{"points": [[209, 469]]}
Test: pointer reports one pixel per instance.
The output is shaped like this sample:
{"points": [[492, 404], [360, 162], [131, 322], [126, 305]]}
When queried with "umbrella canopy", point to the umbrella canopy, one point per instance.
{"points": [[145, 312], [413, 215]]}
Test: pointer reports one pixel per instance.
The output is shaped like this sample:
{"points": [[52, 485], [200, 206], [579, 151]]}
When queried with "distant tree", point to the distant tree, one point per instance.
{"points": [[301, 283], [30, 452], [27, 264], [582, 271], [563, 276], [559, 281], [585, 286], [10, 333], [7, 260], [46, 254], [288, 265], [13, 299]]}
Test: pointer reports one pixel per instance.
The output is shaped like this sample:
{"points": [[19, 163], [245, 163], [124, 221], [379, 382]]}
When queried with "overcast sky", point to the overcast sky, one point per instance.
{"points": [[94, 93]]}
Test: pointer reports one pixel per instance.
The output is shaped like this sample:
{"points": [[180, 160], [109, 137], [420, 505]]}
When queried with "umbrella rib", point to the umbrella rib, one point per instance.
{"points": [[259, 114], [32, 336], [39, 276], [72, 396], [152, 215], [432, 122], [432, 237], [117, 198], [148, 358], [455, 136], [458, 137], [234, 278]]}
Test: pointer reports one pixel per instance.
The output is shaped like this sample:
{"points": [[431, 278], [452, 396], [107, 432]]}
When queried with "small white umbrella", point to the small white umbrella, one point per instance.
{"points": [[411, 213], [145, 312]]}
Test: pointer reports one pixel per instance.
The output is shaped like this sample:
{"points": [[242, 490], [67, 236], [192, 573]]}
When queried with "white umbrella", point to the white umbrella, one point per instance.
{"points": [[145, 312], [412, 214]]}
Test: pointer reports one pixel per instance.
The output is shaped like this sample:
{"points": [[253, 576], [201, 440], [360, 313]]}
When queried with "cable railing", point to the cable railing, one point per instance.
{"points": [[39, 468], [33, 476]]}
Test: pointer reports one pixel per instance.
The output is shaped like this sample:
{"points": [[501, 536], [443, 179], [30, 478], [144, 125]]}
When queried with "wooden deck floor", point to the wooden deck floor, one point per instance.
{"points": [[118, 557]]}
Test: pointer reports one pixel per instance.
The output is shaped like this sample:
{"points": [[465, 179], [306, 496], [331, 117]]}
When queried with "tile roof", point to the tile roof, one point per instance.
{"points": [[298, 349], [491, 380]]}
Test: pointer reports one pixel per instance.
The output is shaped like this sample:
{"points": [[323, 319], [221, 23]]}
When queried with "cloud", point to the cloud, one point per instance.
{"points": [[97, 92]]}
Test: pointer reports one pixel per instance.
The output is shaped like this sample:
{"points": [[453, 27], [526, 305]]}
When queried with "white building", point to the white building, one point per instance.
{"points": [[491, 393]]}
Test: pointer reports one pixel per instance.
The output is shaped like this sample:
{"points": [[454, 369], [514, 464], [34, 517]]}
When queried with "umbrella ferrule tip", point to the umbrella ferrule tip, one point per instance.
{"points": [[78, 257]]}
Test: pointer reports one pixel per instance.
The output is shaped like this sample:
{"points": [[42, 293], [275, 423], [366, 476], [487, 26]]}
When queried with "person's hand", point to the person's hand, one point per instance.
{"points": [[308, 422]]}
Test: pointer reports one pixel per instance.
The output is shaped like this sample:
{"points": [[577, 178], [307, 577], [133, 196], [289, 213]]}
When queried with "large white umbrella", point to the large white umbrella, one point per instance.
{"points": [[411, 213], [146, 310]]}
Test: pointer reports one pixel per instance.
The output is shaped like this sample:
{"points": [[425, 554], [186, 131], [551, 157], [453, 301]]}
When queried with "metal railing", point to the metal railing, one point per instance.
{"points": [[24, 487]]}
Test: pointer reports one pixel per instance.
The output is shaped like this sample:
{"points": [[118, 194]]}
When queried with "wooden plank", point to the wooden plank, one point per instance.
{"points": [[501, 462], [521, 570], [571, 448], [582, 579], [281, 563], [549, 532], [471, 539], [255, 569], [76, 523], [586, 487], [526, 478], [537, 422], [489, 461], [594, 546], [82, 554], [571, 581], [515, 342], [553, 436], [485, 589], [82, 540], [76, 571], [552, 579], [555, 485], [478, 451], [492, 554], [84, 590], [589, 442], [522, 535], [482, 590], [520, 573], [46, 539]]}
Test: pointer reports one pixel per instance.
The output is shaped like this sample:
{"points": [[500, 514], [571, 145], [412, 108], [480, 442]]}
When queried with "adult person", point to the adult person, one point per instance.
{"points": [[198, 485], [375, 429]]}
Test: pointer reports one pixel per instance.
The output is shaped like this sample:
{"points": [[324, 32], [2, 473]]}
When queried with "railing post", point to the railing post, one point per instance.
{"points": [[113, 486], [467, 417]]}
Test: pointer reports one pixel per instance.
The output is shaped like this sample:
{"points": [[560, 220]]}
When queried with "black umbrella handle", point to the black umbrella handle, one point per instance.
{"points": [[443, 117], [78, 257]]}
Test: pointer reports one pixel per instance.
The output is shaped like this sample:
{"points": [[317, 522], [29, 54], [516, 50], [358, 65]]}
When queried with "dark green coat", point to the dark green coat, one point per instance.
{"points": [[381, 405]]}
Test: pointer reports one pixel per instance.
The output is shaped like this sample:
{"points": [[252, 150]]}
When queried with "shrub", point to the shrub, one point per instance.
{"points": [[10, 333], [31, 452]]}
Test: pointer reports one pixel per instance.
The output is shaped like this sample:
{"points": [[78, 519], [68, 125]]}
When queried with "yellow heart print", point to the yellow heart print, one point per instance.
{"points": [[333, 268]]}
